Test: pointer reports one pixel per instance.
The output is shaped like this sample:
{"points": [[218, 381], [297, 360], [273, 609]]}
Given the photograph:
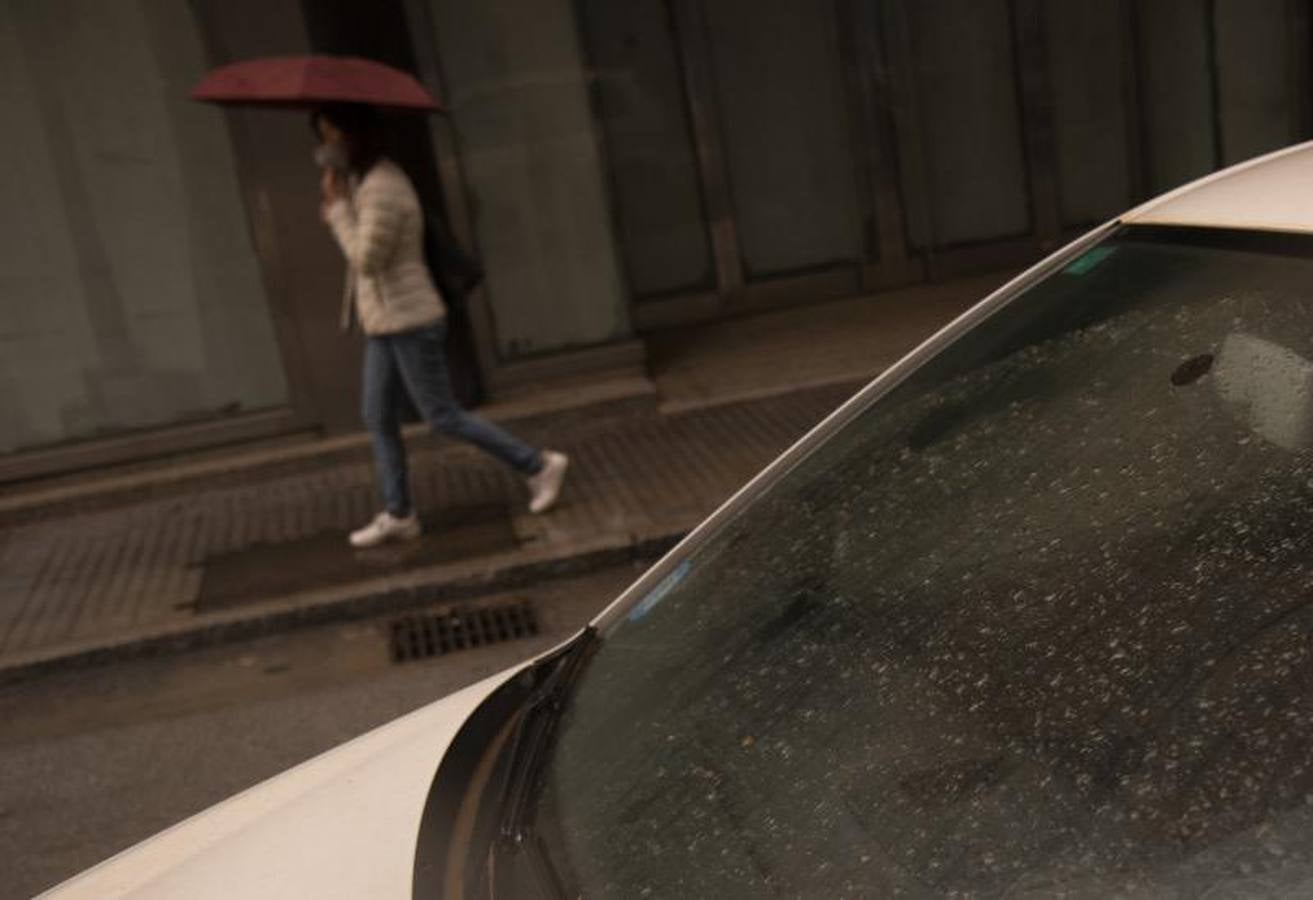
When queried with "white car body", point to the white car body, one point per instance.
{"points": [[345, 824], [342, 825]]}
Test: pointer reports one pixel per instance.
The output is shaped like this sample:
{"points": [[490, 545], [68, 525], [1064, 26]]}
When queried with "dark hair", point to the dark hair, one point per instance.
{"points": [[361, 125]]}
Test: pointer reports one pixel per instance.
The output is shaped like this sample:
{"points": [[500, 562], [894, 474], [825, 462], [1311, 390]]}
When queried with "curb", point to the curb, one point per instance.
{"points": [[389, 594], [168, 480]]}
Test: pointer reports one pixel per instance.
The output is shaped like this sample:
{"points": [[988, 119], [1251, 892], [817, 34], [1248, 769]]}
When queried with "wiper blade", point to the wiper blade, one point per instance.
{"points": [[531, 748]]}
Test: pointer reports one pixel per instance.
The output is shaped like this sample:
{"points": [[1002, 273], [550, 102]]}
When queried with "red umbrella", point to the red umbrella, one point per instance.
{"points": [[311, 80]]}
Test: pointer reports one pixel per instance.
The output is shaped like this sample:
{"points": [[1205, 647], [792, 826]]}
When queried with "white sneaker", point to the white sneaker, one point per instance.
{"points": [[545, 487], [386, 527]]}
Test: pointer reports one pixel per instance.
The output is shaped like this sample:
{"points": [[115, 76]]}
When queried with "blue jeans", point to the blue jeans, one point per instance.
{"points": [[416, 362]]}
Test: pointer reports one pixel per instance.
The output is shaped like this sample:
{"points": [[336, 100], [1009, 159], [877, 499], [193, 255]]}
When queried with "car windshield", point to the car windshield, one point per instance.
{"points": [[1036, 622]]}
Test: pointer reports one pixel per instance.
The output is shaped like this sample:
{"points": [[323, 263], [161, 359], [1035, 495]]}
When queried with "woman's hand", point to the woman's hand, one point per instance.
{"points": [[332, 188]]}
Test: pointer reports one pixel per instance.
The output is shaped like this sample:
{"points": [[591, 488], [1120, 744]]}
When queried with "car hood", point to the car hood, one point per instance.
{"points": [[343, 824]]}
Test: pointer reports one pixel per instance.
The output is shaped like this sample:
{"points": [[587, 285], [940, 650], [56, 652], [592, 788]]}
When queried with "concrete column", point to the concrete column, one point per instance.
{"points": [[519, 96], [128, 289]]}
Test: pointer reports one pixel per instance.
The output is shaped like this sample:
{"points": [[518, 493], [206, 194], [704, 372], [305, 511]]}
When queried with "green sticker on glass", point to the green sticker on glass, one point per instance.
{"points": [[1089, 260]]}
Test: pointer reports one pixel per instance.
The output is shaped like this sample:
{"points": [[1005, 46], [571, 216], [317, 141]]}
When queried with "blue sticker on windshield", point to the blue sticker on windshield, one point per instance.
{"points": [[1088, 261], [658, 593]]}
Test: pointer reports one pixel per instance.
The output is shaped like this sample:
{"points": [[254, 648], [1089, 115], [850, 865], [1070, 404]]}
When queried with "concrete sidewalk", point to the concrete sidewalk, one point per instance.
{"points": [[234, 546], [244, 559]]}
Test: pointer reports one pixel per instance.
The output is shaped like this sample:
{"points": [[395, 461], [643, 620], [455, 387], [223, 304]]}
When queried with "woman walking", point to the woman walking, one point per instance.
{"points": [[375, 214]]}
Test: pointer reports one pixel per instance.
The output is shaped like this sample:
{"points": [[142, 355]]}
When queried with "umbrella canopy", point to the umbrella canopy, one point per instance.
{"points": [[302, 81]]}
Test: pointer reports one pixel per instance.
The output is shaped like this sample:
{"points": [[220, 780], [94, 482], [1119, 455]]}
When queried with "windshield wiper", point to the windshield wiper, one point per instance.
{"points": [[530, 751]]}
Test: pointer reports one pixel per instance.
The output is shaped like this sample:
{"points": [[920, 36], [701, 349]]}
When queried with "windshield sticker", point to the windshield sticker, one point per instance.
{"points": [[1089, 260], [658, 593]]}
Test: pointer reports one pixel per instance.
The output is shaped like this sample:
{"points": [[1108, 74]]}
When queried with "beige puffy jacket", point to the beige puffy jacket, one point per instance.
{"points": [[381, 232]]}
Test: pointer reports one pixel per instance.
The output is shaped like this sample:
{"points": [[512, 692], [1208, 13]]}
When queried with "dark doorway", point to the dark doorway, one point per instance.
{"points": [[380, 31]]}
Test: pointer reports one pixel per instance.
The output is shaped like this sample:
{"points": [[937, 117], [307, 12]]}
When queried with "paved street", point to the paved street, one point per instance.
{"points": [[222, 567], [192, 553], [266, 549], [93, 760]]}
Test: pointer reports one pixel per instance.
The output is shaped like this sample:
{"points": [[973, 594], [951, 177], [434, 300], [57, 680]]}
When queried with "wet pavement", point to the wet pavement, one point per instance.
{"points": [[265, 556], [222, 556], [184, 556], [451, 534], [93, 760]]}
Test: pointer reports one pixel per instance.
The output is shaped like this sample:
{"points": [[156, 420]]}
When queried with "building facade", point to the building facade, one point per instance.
{"points": [[620, 166]]}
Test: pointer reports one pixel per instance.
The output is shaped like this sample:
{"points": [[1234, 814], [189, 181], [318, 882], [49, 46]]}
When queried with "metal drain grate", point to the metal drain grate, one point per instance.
{"points": [[426, 635]]}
